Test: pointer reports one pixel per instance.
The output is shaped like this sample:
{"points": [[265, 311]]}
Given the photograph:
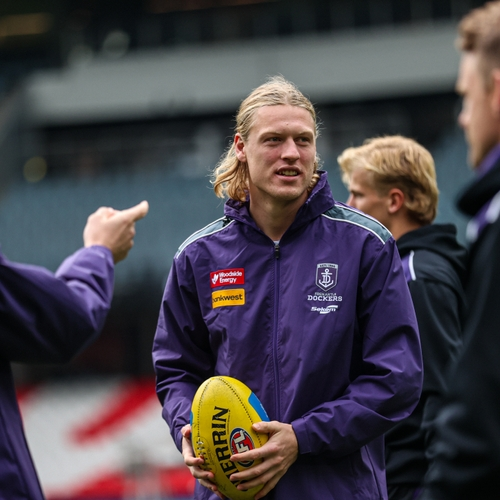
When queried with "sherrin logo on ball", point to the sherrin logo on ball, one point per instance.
{"points": [[222, 415]]}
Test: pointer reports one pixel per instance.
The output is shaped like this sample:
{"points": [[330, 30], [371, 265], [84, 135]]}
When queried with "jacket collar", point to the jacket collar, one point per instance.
{"points": [[481, 199], [319, 201], [480, 191]]}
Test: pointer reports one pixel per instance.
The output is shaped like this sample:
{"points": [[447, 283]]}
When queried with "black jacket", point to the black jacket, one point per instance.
{"points": [[467, 465], [435, 267]]}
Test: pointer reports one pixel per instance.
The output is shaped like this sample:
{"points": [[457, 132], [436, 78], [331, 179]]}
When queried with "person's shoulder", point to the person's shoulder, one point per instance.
{"points": [[209, 229], [432, 266], [348, 215]]}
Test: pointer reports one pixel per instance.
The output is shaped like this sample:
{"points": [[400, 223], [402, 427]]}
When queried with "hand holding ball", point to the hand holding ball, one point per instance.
{"points": [[222, 415]]}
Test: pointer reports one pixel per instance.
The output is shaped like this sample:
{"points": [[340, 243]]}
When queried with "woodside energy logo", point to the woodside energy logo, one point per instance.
{"points": [[227, 277]]}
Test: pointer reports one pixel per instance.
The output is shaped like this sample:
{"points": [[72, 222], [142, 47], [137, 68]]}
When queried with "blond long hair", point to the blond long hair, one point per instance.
{"points": [[230, 176], [397, 161]]}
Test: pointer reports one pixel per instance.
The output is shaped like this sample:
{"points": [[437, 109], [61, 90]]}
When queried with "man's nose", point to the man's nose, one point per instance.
{"points": [[290, 150]]}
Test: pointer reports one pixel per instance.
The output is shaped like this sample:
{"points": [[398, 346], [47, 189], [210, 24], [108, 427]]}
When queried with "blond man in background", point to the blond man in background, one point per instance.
{"points": [[393, 179]]}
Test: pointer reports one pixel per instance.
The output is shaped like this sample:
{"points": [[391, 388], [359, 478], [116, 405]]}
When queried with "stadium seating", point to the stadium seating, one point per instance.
{"points": [[102, 438]]}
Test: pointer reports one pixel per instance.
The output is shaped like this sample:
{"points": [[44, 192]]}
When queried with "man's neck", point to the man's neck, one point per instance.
{"points": [[489, 160], [274, 219], [401, 227]]}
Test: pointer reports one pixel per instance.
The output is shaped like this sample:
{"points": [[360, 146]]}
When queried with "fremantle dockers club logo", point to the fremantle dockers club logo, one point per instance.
{"points": [[240, 441], [326, 276]]}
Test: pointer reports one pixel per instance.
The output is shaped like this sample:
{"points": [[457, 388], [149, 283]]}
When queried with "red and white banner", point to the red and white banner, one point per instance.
{"points": [[102, 439]]}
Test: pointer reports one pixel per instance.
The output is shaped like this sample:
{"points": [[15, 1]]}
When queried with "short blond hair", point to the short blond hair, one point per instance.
{"points": [[479, 32], [230, 176], [397, 161]]}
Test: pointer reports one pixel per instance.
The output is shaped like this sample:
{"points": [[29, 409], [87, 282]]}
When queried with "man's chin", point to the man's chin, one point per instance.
{"points": [[474, 159]]}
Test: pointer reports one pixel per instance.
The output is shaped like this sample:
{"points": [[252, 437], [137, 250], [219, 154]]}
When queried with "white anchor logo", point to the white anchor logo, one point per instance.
{"points": [[326, 276]]}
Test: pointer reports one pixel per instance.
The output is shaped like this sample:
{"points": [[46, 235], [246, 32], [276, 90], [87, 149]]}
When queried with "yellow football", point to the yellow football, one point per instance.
{"points": [[222, 415]]}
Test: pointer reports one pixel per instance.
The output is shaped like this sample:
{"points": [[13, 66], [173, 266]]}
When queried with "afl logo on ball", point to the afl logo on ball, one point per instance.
{"points": [[240, 442]]}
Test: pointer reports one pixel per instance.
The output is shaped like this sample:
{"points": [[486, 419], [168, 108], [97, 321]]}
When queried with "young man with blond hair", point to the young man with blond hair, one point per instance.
{"points": [[467, 463], [393, 179], [318, 322]]}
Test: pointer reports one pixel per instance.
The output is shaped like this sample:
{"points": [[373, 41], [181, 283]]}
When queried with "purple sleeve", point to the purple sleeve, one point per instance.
{"points": [[388, 379], [46, 317], [181, 354]]}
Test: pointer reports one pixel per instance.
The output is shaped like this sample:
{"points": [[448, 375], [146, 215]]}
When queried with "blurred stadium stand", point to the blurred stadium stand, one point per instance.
{"points": [[104, 440], [113, 101]]}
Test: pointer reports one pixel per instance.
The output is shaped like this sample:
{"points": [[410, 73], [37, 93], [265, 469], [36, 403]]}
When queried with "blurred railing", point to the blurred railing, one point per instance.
{"points": [[42, 223]]}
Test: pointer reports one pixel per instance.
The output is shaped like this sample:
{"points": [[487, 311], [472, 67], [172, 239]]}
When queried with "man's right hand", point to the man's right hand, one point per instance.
{"points": [[114, 229], [205, 478]]}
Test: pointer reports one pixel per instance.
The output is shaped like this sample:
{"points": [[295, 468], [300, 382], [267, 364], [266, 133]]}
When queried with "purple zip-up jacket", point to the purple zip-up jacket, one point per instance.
{"points": [[44, 318], [320, 326]]}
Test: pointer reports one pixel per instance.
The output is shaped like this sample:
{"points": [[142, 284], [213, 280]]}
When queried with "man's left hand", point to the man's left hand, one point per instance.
{"points": [[278, 454]]}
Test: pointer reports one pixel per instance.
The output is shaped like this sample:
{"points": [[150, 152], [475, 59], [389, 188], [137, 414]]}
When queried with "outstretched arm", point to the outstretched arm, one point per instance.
{"points": [[47, 318]]}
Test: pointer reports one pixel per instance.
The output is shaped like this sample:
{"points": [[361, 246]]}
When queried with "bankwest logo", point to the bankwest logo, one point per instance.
{"points": [[233, 297], [227, 277]]}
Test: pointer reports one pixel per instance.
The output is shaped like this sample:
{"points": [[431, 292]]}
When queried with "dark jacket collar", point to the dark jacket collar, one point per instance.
{"points": [[480, 191], [437, 238]]}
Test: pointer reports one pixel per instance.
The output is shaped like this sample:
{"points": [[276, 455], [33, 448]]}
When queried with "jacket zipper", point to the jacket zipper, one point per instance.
{"points": [[275, 328]]}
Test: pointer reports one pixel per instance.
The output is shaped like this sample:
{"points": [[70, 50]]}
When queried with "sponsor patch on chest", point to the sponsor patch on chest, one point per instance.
{"points": [[326, 276], [325, 301], [232, 297], [235, 276]]}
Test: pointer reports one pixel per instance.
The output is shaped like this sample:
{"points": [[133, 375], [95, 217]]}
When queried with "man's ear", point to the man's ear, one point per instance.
{"points": [[239, 148], [396, 200]]}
